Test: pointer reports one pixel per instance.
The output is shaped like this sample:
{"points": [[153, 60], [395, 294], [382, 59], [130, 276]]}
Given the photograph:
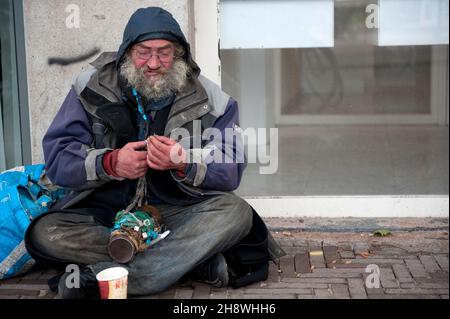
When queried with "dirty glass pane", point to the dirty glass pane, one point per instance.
{"points": [[355, 77]]}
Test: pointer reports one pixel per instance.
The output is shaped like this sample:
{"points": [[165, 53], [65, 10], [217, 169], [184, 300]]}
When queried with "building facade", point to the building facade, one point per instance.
{"points": [[331, 68]]}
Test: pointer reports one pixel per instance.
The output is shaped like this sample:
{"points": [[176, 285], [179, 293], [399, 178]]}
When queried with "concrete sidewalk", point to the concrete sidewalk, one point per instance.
{"points": [[325, 260]]}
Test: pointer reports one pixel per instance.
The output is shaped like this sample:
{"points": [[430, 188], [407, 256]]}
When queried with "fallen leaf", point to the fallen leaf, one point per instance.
{"points": [[382, 233], [347, 262], [287, 234], [312, 268], [365, 254]]}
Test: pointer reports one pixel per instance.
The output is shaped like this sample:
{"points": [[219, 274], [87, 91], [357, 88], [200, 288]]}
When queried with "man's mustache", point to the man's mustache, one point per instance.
{"points": [[160, 71]]}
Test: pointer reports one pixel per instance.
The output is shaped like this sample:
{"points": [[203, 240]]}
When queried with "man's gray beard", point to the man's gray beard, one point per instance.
{"points": [[171, 81]]}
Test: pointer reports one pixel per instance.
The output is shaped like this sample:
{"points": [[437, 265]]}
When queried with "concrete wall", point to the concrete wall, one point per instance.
{"points": [[101, 25]]}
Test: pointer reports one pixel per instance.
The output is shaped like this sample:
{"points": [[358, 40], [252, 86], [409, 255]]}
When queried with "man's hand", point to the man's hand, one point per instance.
{"points": [[165, 154], [132, 161]]}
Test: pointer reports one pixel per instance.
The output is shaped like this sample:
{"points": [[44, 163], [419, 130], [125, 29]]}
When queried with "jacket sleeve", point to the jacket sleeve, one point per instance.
{"points": [[70, 160], [221, 163]]}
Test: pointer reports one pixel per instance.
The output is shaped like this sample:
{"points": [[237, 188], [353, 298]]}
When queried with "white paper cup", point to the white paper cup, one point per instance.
{"points": [[113, 283]]}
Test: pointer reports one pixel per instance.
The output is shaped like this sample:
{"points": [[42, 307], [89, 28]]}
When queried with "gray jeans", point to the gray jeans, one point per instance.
{"points": [[198, 232]]}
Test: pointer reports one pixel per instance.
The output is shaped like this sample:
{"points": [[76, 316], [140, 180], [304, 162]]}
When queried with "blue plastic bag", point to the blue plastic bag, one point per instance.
{"points": [[25, 193]]}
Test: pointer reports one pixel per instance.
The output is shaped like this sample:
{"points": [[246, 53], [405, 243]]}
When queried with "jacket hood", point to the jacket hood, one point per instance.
{"points": [[154, 23]]}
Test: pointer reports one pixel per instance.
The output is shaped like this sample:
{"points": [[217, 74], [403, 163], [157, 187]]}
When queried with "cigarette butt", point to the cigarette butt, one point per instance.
{"points": [[316, 253]]}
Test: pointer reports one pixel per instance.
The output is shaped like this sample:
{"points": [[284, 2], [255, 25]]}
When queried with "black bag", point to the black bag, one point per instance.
{"points": [[248, 261]]}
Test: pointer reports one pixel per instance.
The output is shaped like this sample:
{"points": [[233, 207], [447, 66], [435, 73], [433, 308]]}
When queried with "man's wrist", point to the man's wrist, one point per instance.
{"points": [[110, 163]]}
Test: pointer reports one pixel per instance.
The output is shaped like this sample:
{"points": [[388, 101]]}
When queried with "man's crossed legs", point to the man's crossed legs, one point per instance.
{"points": [[199, 233]]}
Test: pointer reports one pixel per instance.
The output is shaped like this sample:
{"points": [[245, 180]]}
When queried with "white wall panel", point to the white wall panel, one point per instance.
{"points": [[276, 24]]}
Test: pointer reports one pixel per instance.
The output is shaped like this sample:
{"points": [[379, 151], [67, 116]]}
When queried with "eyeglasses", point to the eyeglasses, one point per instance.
{"points": [[164, 56]]}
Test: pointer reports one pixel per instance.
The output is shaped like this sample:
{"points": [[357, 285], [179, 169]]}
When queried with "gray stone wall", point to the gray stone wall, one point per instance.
{"points": [[47, 35]]}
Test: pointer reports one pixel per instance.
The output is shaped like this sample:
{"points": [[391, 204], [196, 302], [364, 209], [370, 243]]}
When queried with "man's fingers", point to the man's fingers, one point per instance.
{"points": [[163, 141], [155, 160], [156, 151], [153, 165], [156, 144], [166, 140], [137, 146], [140, 156]]}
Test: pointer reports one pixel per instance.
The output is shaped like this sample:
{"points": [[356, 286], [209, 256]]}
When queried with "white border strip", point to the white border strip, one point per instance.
{"points": [[352, 206]]}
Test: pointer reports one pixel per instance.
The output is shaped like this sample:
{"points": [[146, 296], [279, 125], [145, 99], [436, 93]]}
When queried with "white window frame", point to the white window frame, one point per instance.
{"points": [[439, 103]]}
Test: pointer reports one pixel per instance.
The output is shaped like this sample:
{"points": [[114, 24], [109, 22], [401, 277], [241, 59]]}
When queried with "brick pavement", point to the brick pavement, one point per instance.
{"points": [[311, 270]]}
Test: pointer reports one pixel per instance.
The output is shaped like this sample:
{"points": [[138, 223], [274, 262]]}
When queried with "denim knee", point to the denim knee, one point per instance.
{"points": [[238, 214]]}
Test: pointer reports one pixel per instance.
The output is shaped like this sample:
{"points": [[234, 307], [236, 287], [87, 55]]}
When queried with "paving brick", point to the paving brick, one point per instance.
{"points": [[294, 285], [292, 251], [357, 289], [24, 287], [442, 260], [168, 294], [345, 246], [201, 291], [332, 275], [46, 294], [287, 267], [416, 268], [34, 274], [184, 293], [435, 285], [377, 261], [335, 273], [392, 296], [402, 273], [285, 242], [151, 297], [331, 255], [324, 280], [219, 293], [407, 285], [317, 262], [323, 293], [374, 291], [360, 248], [19, 292], [278, 291], [440, 275], [274, 272], [343, 264], [11, 281], [416, 291], [444, 297], [388, 279], [239, 295], [393, 252], [347, 254], [340, 291], [429, 263], [306, 297], [314, 245], [301, 243], [302, 263]]}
